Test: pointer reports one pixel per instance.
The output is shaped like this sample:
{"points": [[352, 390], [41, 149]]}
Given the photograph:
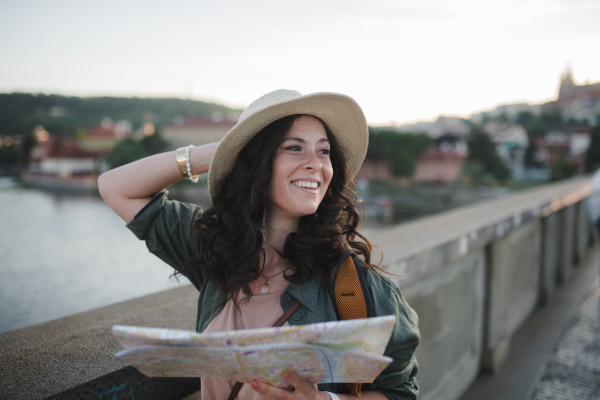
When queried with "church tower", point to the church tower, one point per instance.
{"points": [[566, 83]]}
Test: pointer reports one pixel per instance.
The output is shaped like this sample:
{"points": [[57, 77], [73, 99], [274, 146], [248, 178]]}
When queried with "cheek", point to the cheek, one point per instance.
{"points": [[278, 183], [329, 175]]}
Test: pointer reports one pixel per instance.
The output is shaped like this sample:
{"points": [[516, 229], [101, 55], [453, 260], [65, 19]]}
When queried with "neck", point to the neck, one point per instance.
{"points": [[276, 230]]}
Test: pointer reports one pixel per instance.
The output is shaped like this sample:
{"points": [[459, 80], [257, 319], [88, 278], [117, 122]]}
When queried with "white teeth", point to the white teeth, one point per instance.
{"points": [[306, 184]]}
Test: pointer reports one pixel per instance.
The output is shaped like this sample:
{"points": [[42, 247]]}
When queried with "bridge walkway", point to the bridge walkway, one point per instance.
{"points": [[555, 355]]}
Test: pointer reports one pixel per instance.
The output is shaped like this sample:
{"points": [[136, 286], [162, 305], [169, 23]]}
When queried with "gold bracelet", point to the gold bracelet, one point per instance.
{"points": [[180, 155]]}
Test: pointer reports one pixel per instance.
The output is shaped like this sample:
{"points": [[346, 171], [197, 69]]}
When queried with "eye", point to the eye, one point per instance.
{"points": [[325, 151], [293, 147]]}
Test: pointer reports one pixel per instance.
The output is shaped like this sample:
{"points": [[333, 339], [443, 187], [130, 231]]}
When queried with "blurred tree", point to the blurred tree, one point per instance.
{"points": [[10, 155], [403, 164], [154, 144], [28, 143], [530, 123], [124, 152], [592, 154], [401, 151], [503, 117], [562, 169], [529, 158], [473, 173], [483, 150]]}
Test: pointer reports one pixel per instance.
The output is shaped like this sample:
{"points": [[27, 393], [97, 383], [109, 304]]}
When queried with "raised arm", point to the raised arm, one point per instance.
{"points": [[127, 189]]}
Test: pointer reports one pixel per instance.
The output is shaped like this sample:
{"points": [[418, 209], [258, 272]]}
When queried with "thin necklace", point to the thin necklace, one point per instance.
{"points": [[265, 288]]}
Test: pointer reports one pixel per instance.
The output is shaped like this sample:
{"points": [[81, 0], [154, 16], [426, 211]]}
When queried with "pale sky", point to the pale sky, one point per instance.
{"points": [[402, 61]]}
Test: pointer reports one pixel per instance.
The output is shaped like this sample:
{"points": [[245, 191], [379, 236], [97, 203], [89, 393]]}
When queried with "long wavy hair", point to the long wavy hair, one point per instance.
{"points": [[230, 235]]}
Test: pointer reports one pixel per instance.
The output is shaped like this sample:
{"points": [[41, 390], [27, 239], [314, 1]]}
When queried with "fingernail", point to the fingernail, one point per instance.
{"points": [[287, 376], [255, 385]]}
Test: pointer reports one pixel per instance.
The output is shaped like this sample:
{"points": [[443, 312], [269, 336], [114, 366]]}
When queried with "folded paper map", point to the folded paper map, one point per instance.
{"points": [[335, 351]]}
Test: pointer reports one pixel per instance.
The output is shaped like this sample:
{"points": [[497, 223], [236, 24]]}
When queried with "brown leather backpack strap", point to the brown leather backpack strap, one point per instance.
{"points": [[236, 389], [286, 315]]}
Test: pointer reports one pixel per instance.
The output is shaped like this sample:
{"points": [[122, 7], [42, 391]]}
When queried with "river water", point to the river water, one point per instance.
{"points": [[61, 255]]}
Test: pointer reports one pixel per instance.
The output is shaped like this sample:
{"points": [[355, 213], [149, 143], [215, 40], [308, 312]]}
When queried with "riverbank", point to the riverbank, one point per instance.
{"points": [[85, 184]]}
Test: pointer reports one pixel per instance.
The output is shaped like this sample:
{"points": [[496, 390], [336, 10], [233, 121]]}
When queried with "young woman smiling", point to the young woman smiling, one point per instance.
{"points": [[283, 215]]}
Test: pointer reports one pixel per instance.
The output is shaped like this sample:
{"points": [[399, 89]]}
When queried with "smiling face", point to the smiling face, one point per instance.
{"points": [[302, 170]]}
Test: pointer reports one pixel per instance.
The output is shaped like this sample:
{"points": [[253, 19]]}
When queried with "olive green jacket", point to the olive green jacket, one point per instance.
{"points": [[166, 226]]}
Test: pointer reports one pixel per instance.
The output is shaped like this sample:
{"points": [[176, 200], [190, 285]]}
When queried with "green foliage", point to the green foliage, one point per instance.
{"points": [[403, 164], [529, 156], [125, 152], [592, 154], [21, 112], [27, 144], [401, 151], [483, 150], [10, 155], [154, 144], [475, 172], [18, 152], [562, 169], [539, 125], [531, 123]]}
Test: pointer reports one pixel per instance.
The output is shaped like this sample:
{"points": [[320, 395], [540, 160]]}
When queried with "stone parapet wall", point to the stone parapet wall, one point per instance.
{"points": [[476, 273], [473, 274]]}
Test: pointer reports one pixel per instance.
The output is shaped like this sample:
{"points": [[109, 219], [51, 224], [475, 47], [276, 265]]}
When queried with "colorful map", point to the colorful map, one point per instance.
{"points": [[336, 351]]}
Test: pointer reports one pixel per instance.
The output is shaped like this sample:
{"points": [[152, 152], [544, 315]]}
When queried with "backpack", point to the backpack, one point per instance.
{"points": [[350, 297]]}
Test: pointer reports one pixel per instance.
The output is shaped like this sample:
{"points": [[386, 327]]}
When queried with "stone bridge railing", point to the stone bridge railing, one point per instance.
{"points": [[473, 274]]}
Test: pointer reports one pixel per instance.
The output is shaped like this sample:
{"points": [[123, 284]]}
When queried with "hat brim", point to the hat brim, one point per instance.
{"points": [[341, 113]]}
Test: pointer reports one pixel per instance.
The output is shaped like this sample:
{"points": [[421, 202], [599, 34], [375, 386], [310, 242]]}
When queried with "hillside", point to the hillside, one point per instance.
{"points": [[21, 112]]}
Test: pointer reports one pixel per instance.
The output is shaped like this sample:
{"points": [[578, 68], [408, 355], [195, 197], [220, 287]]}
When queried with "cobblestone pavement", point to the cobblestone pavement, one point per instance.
{"points": [[573, 368]]}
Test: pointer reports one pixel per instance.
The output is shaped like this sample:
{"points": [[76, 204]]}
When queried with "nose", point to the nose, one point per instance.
{"points": [[312, 162]]}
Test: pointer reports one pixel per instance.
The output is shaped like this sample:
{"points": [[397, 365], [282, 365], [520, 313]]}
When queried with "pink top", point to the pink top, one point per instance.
{"points": [[260, 311]]}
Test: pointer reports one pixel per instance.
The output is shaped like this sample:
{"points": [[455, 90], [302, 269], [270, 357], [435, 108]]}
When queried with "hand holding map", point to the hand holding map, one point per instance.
{"points": [[335, 351]]}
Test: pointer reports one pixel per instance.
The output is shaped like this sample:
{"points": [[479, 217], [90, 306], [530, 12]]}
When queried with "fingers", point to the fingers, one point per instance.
{"points": [[271, 392], [302, 389], [298, 382]]}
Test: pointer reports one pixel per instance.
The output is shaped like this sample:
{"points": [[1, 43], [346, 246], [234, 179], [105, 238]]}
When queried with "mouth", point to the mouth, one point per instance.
{"points": [[307, 186]]}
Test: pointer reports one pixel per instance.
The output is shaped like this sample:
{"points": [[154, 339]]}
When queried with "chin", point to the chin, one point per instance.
{"points": [[303, 211]]}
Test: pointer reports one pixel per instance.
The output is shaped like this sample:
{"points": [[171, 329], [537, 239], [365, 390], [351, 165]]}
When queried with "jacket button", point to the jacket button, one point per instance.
{"points": [[286, 297], [296, 316]]}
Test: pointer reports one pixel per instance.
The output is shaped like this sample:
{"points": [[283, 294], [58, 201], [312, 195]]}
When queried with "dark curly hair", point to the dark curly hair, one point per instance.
{"points": [[230, 234]]}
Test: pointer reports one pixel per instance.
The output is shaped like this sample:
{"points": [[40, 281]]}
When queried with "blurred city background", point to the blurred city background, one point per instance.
{"points": [[466, 101]]}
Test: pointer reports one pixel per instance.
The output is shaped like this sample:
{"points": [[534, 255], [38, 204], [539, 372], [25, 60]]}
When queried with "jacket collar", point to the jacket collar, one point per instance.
{"points": [[307, 291]]}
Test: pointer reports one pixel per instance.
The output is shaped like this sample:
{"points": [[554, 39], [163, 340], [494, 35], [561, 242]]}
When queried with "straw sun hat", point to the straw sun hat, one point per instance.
{"points": [[341, 113]]}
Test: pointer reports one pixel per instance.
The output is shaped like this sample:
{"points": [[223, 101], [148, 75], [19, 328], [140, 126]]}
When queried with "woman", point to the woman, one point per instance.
{"points": [[284, 213]]}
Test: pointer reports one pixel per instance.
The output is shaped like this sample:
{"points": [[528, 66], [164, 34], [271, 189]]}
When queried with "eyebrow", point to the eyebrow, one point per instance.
{"points": [[297, 139]]}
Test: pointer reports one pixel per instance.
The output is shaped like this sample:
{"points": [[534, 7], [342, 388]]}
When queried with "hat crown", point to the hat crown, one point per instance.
{"points": [[268, 100]]}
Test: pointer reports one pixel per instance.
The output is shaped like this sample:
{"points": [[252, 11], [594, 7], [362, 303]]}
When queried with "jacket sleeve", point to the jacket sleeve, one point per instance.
{"points": [[166, 227], [398, 380]]}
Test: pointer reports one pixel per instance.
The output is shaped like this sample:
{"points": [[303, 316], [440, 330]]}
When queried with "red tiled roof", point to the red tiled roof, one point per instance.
{"points": [[438, 155], [99, 130], [71, 150]]}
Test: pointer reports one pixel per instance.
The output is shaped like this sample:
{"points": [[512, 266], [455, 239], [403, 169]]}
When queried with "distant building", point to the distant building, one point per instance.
{"points": [[196, 131], [509, 110], [580, 141], [578, 102], [451, 143], [376, 171], [511, 142], [455, 126], [439, 166], [104, 136], [63, 158], [555, 144]]}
